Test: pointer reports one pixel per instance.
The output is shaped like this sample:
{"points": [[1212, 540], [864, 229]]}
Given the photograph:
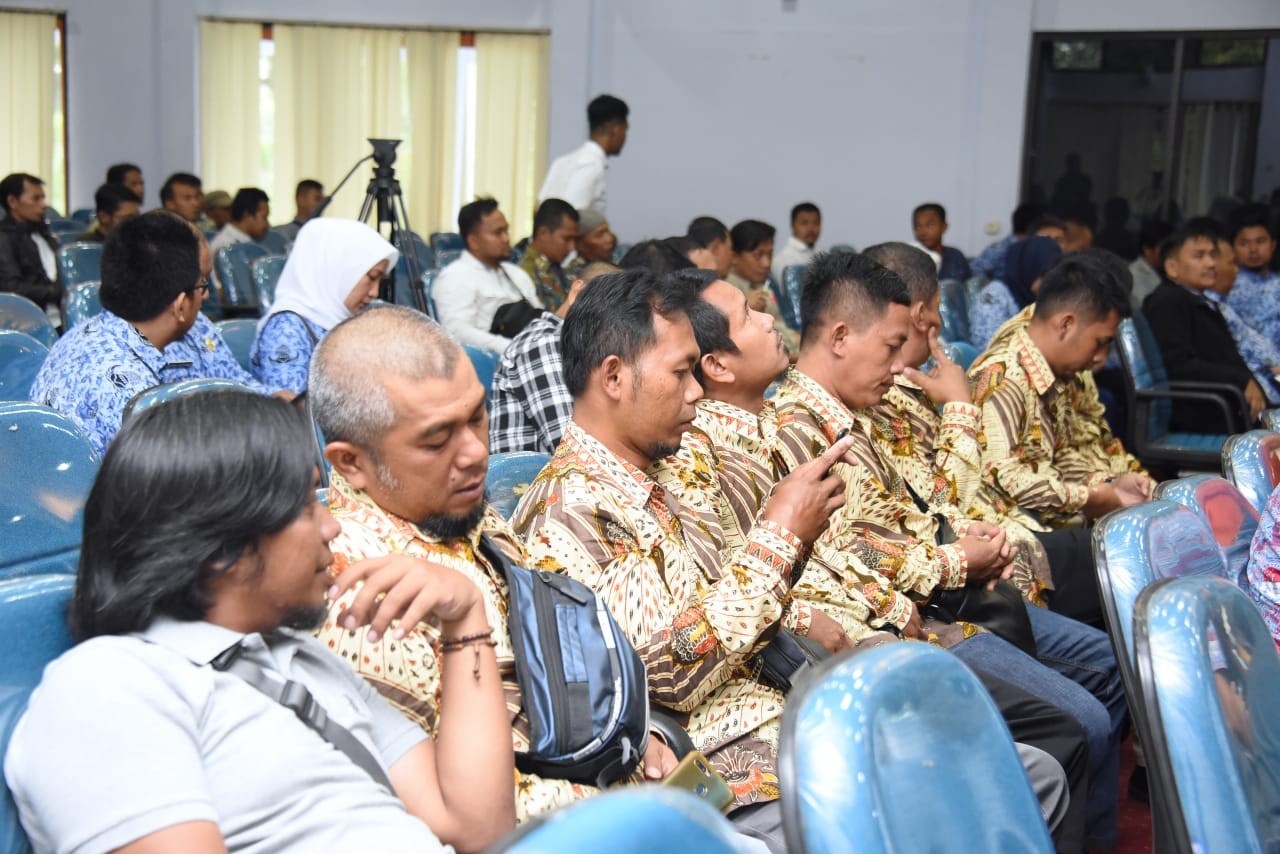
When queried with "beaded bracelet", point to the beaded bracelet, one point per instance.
{"points": [[476, 641]]}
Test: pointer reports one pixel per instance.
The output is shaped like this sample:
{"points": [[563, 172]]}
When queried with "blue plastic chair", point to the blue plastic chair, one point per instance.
{"points": [[22, 315], [1271, 419], [620, 251], [275, 243], [792, 286], [238, 295], [1229, 515], [1252, 462], [84, 216], [62, 227], [955, 293], [973, 287], [445, 257], [509, 477], [404, 293], [266, 275], [83, 302], [49, 468], [21, 357], [899, 748], [1133, 548], [157, 395], [239, 335], [426, 256], [1211, 687], [961, 352], [1150, 404], [446, 241], [51, 213], [843, 247], [80, 262], [955, 321], [637, 820], [485, 362], [33, 631]]}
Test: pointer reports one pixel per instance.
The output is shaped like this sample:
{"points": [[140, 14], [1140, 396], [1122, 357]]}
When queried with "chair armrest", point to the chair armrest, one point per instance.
{"points": [[1225, 389], [672, 733], [1230, 419]]}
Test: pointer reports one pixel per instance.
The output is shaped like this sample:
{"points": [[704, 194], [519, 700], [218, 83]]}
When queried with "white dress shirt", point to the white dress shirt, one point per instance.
{"points": [[796, 251], [468, 294], [578, 177], [1145, 279]]}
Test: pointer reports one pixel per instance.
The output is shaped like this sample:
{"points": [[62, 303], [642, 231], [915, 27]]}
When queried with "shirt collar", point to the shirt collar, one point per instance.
{"points": [[593, 147], [798, 245], [195, 640], [397, 533], [236, 234], [117, 327], [833, 415], [1039, 374], [607, 466]]}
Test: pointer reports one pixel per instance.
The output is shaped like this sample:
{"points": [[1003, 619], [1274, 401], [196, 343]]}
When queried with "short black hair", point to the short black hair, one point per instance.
{"points": [[146, 262], [116, 173], [804, 207], [1082, 283], [308, 184], [109, 197], [710, 326], [930, 206], [471, 214], [1025, 214], [184, 178], [1193, 230], [246, 202], [14, 185], [1045, 220], [1153, 233], [705, 230], [1253, 215], [750, 233], [656, 256], [1110, 263], [911, 264], [161, 523], [852, 282], [551, 215], [604, 110], [1208, 225], [614, 317]]}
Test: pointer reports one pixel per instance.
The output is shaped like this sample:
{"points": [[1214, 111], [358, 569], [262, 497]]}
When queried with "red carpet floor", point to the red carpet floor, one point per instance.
{"points": [[1134, 835]]}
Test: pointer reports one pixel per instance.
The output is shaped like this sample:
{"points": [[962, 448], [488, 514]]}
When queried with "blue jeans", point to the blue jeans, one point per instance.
{"points": [[994, 655]]}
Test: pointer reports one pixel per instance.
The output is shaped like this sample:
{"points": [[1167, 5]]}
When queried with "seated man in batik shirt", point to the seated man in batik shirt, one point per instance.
{"points": [[658, 556], [412, 482]]}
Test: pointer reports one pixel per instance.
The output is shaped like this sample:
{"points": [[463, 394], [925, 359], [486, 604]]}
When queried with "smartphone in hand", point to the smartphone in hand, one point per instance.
{"points": [[695, 774]]}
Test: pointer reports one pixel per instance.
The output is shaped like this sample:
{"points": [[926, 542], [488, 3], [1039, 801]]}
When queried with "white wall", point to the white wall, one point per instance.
{"points": [[739, 108]]}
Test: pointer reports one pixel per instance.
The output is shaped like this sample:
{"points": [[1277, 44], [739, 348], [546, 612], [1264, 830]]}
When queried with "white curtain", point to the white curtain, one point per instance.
{"points": [[27, 59], [427, 177], [1212, 153], [230, 141], [512, 104], [334, 88]]}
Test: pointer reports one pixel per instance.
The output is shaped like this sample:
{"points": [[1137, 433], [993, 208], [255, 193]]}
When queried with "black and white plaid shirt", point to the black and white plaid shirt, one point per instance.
{"points": [[529, 405]]}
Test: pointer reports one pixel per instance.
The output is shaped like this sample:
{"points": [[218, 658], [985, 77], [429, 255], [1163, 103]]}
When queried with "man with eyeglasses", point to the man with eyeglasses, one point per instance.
{"points": [[150, 332]]}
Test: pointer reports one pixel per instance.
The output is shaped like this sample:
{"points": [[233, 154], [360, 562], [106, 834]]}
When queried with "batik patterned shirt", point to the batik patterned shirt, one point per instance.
{"points": [[281, 354], [1256, 297], [990, 261], [1263, 573], [836, 582], [549, 278], [696, 617], [529, 403], [1259, 352], [407, 671]]}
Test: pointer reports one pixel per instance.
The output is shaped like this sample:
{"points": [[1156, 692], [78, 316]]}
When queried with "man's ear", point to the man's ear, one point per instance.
{"points": [[352, 462], [839, 336], [1065, 323], [182, 306], [609, 375], [917, 317], [715, 369]]}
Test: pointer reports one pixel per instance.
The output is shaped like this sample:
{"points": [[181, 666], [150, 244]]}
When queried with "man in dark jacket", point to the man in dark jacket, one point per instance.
{"points": [[1195, 341], [28, 250]]}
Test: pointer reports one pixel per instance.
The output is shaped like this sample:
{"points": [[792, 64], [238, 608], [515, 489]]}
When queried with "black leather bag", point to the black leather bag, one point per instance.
{"points": [[511, 318], [787, 657]]}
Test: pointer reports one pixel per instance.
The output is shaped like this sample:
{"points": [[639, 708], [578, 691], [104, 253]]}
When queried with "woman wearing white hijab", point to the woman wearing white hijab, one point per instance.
{"points": [[334, 270]]}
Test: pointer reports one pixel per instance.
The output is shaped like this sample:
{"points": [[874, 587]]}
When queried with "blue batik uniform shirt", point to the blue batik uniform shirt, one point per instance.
{"points": [[281, 354], [1256, 297]]}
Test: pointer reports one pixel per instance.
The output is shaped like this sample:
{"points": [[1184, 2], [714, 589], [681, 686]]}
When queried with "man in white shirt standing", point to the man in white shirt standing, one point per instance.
{"points": [[579, 176], [469, 292], [806, 226]]}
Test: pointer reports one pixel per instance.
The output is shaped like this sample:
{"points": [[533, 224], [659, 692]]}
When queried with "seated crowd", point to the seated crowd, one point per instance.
{"points": [[720, 468]]}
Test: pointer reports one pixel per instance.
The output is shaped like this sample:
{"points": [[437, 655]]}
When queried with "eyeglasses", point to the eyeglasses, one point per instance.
{"points": [[202, 286]]}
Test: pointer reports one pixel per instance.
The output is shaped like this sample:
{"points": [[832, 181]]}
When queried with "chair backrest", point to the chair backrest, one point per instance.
{"points": [[954, 292], [239, 335], [83, 302], [961, 352], [1271, 419], [843, 247], [974, 286], [232, 264], [1143, 367], [899, 748], [1252, 462], [485, 362], [509, 477], [266, 274], [157, 395], [33, 631], [446, 241], [426, 257], [1211, 686], [1231, 517], [445, 257], [792, 286], [80, 262], [49, 467], [83, 216], [21, 357], [274, 242], [61, 227], [633, 820], [22, 315], [404, 292], [620, 251]]}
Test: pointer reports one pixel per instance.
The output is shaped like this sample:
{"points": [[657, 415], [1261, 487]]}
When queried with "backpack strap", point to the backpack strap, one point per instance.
{"points": [[295, 697]]}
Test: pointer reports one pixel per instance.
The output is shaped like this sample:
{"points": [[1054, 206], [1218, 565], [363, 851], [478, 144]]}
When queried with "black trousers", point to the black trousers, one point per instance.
{"points": [[1075, 580], [1040, 724]]}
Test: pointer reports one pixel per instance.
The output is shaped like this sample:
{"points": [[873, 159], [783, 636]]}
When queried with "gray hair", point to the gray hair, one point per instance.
{"points": [[351, 363]]}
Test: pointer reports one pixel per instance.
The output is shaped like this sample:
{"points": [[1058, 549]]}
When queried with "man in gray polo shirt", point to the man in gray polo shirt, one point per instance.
{"points": [[199, 570]]}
